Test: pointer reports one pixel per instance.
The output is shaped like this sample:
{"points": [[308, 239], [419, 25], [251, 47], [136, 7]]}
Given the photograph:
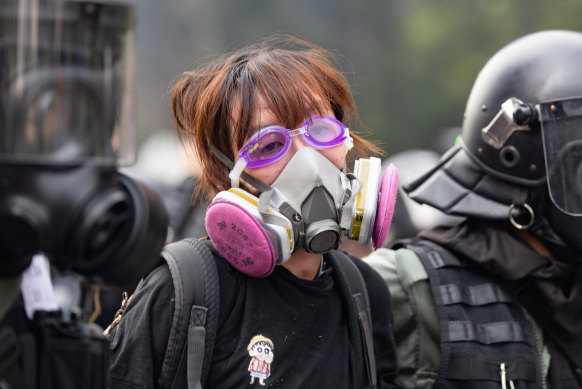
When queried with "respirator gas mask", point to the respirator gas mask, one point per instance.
{"points": [[310, 205]]}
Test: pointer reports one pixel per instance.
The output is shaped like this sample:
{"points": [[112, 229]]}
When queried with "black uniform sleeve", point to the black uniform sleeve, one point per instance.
{"points": [[139, 344], [380, 305]]}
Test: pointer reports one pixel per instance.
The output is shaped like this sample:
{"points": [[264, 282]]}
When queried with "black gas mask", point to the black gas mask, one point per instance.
{"points": [[91, 220], [66, 124]]}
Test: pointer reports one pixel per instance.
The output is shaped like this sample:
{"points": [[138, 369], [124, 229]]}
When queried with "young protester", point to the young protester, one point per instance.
{"points": [[267, 124], [495, 301]]}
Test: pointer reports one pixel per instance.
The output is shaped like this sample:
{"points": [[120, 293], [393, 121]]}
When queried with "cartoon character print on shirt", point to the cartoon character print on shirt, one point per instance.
{"points": [[261, 351]]}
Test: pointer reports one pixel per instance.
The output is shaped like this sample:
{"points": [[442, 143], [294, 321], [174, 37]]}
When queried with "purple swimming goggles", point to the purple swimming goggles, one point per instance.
{"points": [[270, 143]]}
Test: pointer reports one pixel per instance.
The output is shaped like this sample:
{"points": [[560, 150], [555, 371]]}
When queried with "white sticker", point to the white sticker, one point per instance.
{"points": [[36, 287]]}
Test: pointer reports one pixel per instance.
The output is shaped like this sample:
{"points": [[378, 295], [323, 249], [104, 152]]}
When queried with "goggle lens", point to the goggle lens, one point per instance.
{"points": [[267, 146], [323, 131]]}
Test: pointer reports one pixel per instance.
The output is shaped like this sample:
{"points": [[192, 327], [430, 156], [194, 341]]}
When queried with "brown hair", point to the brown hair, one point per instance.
{"points": [[216, 102]]}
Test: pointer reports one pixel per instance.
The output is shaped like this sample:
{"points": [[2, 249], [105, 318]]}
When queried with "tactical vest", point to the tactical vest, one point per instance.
{"points": [[486, 339]]}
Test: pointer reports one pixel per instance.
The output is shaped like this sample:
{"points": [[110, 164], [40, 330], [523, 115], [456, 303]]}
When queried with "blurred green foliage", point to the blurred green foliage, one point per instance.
{"points": [[411, 62]]}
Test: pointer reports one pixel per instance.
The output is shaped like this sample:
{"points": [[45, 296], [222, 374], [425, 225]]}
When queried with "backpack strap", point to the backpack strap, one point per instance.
{"points": [[359, 293], [195, 319]]}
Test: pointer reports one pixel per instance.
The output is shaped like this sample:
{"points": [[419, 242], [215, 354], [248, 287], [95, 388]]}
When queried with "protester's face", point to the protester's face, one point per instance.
{"points": [[264, 117]]}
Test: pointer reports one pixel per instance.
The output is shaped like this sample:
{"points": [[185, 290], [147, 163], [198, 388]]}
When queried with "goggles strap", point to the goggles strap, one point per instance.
{"points": [[262, 187]]}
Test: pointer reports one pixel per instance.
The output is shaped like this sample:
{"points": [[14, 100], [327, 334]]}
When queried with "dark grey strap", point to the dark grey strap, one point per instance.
{"points": [[488, 333], [366, 326], [474, 295], [196, 349], [261, 186], [440, 258], [203, 318], [359, 293]]}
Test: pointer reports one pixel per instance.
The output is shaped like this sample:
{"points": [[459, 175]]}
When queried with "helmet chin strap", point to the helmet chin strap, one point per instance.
{"points": [[542, 230]]}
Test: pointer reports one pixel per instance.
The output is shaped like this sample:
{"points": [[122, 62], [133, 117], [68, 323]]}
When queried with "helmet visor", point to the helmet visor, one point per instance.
{"points": [[66, 79], [562, 136]]}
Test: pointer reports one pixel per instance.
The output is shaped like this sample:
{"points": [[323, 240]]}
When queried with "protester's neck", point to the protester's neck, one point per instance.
{"points": [[303, 265]]}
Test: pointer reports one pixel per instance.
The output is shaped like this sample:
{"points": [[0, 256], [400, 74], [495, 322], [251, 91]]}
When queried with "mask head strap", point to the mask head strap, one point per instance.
{"points": [[234, 174], [237, 171]]}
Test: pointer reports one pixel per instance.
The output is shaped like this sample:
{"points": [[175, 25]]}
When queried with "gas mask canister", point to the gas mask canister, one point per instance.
{"points": [[310, 206]]}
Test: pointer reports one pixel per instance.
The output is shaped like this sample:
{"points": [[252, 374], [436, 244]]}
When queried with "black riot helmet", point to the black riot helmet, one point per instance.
{"points": [[521, 152], [538, 68], [66, 124]]}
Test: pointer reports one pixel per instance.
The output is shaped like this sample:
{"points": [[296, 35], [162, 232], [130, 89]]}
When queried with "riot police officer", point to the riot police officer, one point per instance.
{"points": [[495, 301]]}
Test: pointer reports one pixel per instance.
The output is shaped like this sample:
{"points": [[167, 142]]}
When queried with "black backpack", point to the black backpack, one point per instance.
{"points": [[197, 303]]}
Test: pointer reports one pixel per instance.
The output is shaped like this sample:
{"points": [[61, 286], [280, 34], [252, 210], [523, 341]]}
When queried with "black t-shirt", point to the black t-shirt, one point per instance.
{"points": [[278, 331]]}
